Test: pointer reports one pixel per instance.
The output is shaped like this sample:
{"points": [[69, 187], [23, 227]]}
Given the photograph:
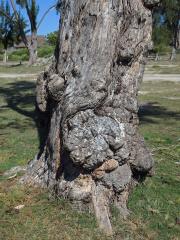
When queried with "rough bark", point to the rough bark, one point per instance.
{"points": [[94, 154]]}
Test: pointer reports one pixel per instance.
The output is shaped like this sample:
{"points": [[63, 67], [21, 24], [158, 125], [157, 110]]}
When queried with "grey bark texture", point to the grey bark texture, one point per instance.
{"points": [[32, 48], [93, 153]]}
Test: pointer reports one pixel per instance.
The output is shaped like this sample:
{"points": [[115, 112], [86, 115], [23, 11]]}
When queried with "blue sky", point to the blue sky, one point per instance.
{"points": [[51, 22]]}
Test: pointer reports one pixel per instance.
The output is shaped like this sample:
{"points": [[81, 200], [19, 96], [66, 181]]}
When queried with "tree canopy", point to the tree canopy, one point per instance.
{"points": [[7, 33], [166, 25], [52, 38]]}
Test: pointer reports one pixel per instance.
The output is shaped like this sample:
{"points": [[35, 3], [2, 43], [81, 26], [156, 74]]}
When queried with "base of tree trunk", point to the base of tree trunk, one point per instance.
{"points": [[173, 54], [5, 57], [93, 190], [93, 154], [32, 48], [32, 57]]}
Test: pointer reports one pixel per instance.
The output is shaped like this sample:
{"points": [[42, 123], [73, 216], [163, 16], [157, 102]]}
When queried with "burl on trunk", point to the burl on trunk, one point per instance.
{"points": [[93, 154]]}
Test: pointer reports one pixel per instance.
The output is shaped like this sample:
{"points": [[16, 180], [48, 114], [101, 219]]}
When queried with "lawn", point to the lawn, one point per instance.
{"points": [[154, 204], [20, 68], [164, 66]]}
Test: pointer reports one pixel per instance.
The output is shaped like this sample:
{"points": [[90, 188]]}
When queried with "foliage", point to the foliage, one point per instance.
{"points": [[32, 10], [171, 10], [7, 33], [52, 38], [166, 25], [161, 38], [19, 55], [22, 54], [9, 30], [45, 51]]}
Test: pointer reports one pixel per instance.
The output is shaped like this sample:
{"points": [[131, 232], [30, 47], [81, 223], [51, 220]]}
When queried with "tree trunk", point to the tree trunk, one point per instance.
{"points": [[93, 153], [157, 57], [5, 56], [173, 54], [178, 38], [32, 48]]}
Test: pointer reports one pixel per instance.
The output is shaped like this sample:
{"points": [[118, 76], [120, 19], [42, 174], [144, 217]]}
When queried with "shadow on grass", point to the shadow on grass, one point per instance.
{"points": [[20, 97], [149, 112]]}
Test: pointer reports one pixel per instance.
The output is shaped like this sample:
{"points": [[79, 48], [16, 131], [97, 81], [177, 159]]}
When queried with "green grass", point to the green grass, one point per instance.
{"points": [[42, 217], [19, 55], [46, 51], [18, 138], [164, 67], [154, 204], [22, 54], [156, 201], [160, 69]]}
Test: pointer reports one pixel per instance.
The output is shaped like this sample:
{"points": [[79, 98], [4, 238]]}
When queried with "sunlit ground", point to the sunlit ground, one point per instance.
{"points": [[154, 204]]}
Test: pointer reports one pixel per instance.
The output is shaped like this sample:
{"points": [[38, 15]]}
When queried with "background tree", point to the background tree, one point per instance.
{"points": [[171, 10], [9, 29], [166, 27], [52, 38], [161, 33], [7, 34], [32, 10], [93, 153]]}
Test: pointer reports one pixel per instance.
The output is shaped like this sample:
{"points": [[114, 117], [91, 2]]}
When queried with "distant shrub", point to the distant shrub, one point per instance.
{"points": [[161, 38], [19, 55], [162, 48], [52, 38], [45, 51], [22, 54]]}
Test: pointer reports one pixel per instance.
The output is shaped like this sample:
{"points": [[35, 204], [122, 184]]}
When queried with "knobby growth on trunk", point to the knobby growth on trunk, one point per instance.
{"points": [[93, 154]]}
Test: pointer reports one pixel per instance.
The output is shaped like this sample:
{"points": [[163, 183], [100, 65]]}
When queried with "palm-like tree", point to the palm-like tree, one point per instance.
{"points": [[32, 10], [9, 30], [172, 18]]}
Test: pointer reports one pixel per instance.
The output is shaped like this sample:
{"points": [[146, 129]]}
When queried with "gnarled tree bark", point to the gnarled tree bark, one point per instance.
{"points": [[93, 152]]}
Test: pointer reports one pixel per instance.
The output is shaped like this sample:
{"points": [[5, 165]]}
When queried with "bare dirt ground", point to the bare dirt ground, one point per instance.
{"points": [[147, 76], [155, 71], [161, 77], [19, 75]]}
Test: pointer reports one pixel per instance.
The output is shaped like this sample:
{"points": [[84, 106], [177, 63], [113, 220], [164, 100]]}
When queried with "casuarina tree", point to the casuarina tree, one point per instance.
{"points": [[32, 9], [93, 154], [9, 33], [6, 29], [171, 10]]}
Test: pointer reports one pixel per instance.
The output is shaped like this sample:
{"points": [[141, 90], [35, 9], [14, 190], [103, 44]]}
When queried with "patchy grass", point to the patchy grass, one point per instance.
{"points": [[18, 137], [164, 67], [154, 204], [44, 51], [160, 69], [23, 68], [42, 217]]}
